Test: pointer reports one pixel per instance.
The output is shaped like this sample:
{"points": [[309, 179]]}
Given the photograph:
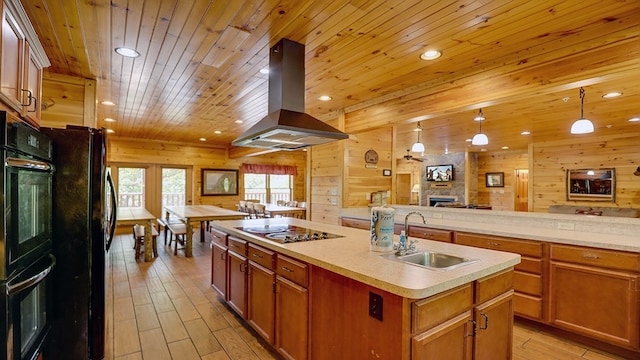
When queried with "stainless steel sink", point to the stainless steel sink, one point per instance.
{"points": [[431, 260]]}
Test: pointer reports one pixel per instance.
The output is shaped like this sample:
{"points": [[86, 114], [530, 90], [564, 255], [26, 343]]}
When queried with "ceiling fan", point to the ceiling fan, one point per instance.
{"points": [[411, 157]]}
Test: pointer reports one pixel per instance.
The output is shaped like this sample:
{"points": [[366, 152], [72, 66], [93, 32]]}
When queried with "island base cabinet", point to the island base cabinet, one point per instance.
{"points": [[261, 301], [599, 303], [292, 319], [219, 269], [451, 340], [494, 328]]}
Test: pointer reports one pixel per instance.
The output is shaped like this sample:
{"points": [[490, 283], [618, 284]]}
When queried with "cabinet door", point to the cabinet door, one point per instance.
{"points": [[261, 300], [11, 61], [219, 269], [494, 329], [602, 304], [237, 283], [33, 84], [451, 340], [292, 314]]}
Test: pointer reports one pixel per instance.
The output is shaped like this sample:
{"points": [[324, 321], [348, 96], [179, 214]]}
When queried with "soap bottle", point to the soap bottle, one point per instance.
{"points": [[403, 239]]}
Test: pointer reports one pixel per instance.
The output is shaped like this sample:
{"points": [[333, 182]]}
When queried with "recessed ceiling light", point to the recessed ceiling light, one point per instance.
{"points": [[264, 71], [483, 149], [526, 132], [131, 53], [612, 95], [108, 103], [110, 131], [109, 119], [430, 55], [217, 132], [238, 121], [469, 140], [505, 148], [634, 119], [203, 139], [324, 98]]}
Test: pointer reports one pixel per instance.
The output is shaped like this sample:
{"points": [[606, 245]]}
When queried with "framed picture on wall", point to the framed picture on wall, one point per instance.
{"points": [[219, 182], [591, 184], [494, 179]]}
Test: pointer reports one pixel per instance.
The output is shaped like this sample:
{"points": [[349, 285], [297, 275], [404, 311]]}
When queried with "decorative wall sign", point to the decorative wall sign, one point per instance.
{"points": [[371, 159], [219, 182]]}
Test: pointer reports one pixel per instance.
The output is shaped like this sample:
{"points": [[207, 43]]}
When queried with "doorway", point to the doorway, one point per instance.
{"points": [[403, 189], [521, 190]]}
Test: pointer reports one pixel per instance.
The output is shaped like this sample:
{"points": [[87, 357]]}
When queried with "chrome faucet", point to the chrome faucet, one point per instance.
{"points": [[408, 247], [406, 219]]}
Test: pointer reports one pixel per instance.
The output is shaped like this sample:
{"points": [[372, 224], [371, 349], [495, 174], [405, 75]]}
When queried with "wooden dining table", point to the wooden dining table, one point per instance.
{"points": [[202, 214], [273, 209], [142, 216]]}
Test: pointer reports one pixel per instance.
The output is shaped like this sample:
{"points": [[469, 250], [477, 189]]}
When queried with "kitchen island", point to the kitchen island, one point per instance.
{"points": [[334, 298]]}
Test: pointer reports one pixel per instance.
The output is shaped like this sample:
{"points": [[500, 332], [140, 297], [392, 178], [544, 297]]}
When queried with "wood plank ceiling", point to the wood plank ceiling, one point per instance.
{"points": [[521, 61]]}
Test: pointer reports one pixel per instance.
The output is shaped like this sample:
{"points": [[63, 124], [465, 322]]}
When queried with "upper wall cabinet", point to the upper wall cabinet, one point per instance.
{"points": [[21, 64]]}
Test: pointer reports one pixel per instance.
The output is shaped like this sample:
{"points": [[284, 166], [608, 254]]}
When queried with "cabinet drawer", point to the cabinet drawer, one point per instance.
{"points": [[293, 270], [493, 285], [356, 223], [429, 312], [527, 283], [261, 256], [237, 245], [590, 256], [424, 232], [219, 237], [522, 247], [528, 306], [530, 265]]}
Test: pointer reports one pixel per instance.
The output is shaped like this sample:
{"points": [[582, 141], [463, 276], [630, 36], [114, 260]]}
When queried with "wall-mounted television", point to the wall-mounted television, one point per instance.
{"points": [[440, 172]]}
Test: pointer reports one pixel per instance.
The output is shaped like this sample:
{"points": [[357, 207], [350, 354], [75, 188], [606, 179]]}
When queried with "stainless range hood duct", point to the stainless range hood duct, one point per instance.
{"points": [[287, 126]]}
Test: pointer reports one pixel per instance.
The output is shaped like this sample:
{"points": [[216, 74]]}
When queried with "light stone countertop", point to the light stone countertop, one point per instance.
{"points": [[350, 256], [583, 230]]}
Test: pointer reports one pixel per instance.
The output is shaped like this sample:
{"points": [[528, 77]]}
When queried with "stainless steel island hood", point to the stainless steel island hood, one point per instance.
{"points": [[287, 126]]}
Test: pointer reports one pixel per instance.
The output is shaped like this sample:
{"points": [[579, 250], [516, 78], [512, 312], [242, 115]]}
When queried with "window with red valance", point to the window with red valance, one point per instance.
{"points": [[269, 169]]}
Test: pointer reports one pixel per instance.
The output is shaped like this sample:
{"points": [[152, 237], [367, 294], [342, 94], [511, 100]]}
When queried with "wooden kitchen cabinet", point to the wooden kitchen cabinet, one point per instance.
{"points": [[219, 269], [21, 63], [425, 232], [237, 276], [292, 308], [595, 292], [468, 322], [529, 275], [261, 292]]}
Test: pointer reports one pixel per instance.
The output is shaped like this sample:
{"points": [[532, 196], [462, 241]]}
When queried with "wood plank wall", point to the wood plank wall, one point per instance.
{"points": [[327, 164], [552, 159], [500, 198], [198, 157]]}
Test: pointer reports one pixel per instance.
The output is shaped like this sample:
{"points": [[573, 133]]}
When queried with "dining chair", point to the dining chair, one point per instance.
{"points": [[259, 211], [250, 210], [138, 240], [281, 202], [292, 203]]}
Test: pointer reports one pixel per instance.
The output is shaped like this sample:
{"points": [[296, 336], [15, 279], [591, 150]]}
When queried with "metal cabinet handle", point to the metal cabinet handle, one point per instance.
{"points": [[222, 256], [473, 328], [242, 267], [30, 97], [493, 243], [287, 269], [257, 255], [591, 257], [486, 321]]}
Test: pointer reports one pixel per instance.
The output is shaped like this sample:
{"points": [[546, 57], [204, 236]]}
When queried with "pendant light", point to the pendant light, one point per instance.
{"points": [[418, 146], [480, 138], [582, 125]]}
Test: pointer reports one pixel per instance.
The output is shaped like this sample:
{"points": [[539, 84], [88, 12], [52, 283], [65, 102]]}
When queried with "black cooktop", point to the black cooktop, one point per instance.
{"points": [[284, 233]]}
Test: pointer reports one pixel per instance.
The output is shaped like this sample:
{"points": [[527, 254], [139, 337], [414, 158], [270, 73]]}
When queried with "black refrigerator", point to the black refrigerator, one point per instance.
{"points": [[83, 225]]}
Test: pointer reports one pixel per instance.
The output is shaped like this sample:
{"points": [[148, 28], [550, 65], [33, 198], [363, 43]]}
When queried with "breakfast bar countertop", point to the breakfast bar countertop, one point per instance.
{"points": [[602, 232], [350, 256]]}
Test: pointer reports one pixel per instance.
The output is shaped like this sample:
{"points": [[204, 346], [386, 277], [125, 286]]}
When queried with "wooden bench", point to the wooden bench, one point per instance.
{"points": [[164, 224], [138, 239]]}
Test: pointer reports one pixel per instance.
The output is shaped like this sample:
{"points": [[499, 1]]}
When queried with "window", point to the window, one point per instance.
{"points": [[174, 187], [131, 187], [267, 188]]}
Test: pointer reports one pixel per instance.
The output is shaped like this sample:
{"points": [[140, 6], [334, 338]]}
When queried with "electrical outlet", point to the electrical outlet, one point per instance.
{"points": [[375, 306], [436, 215], [566, 226]]}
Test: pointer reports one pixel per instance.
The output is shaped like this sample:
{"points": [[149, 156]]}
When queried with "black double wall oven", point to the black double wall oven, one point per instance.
{"points": [[26, 259]]}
